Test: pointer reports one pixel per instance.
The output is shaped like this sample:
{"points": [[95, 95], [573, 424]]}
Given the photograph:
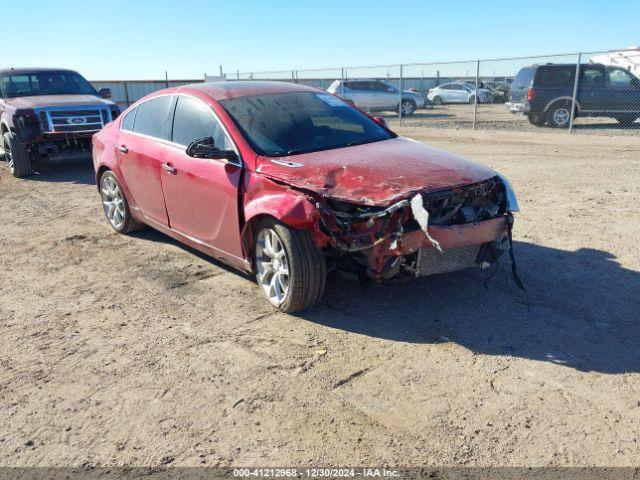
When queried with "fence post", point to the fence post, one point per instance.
{"points": [[126, 93], [342, 82], [237, 74], [475, 102], [575, 92], [400, 98]]}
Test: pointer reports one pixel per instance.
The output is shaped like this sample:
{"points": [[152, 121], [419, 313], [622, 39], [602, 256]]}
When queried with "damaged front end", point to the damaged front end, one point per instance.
{"points": [[425, 234]]}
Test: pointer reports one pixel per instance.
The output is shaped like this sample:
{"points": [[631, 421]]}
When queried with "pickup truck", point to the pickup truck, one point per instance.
{"points": [[49, 114]]}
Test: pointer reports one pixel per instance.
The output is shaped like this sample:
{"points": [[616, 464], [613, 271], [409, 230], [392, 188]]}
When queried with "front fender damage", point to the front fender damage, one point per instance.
{"points": [[386, 242]]}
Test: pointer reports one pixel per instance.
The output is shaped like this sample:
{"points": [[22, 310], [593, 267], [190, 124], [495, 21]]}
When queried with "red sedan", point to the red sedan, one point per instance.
{"points": [[287, 182]]}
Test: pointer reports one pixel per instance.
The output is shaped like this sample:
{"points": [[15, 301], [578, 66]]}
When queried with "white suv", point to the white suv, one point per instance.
{"points": [[376, 96]]}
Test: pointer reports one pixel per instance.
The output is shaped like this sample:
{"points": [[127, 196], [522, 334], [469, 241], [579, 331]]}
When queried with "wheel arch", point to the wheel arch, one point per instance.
{"points": [[293, 208], [565, 99]]}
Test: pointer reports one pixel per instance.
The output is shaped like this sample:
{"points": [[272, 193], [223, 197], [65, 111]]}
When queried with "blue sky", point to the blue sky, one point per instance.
{"points": [[141, 39]]}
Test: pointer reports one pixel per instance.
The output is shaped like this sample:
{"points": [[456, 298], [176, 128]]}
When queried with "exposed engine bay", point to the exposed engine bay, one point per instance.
{"points": [[402, 239]]}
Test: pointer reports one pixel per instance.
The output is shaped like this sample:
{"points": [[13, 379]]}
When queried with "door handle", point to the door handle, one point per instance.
{"points": [[169, 168], [123, 149]]}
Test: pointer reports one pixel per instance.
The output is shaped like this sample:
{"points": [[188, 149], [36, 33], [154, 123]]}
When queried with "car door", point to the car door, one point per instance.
{"points": [[623, 91], [385, 96], [592, 95], [140, 154], [460, 93], [362, 94], [201, 195]]}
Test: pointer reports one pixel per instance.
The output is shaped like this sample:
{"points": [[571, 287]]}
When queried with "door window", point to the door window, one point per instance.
{"points": [[193, 120], [592, 77], [150, 118], [621, 79]]}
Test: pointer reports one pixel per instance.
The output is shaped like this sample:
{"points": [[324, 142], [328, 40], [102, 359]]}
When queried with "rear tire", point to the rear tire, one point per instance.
{"points": [[536, 119], [472, 99], [293, 251], [17, 156], [115, 205], [437, 100], [559, 115]]}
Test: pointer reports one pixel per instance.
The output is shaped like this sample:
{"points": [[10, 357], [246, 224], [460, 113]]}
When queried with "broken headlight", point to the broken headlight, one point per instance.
{"points": [[512, 201]]}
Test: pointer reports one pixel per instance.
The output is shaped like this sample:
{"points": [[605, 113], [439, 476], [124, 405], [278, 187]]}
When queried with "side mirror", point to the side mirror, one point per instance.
{"points": [[105, 93], [205, 148], [381, 121]]}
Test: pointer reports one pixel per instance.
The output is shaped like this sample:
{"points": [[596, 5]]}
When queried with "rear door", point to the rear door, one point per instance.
{"points": [[201, 194], [140, 151], [592, 94]]}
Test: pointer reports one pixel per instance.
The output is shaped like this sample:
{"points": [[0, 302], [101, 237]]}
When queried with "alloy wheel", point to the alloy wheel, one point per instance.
{"points": [[112, 201], [273, 266]]}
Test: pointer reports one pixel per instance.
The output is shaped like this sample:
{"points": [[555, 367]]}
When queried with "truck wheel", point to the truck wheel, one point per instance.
{"points": [[290, 269], [536, 119], [626, 120], [17, 156], [115, 205], [559, 115], [407, 108]]}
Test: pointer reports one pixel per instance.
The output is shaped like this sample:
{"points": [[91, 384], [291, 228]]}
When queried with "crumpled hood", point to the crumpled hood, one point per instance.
{"points": [[56, 101], [377, 173]]}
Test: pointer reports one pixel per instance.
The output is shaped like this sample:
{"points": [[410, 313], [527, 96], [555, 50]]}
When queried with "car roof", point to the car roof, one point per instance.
{"points": [[235, 89], [24, 70]]}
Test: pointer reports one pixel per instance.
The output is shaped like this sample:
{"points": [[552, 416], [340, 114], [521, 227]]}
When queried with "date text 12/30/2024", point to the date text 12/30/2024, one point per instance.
{"points": [[315, 472]]}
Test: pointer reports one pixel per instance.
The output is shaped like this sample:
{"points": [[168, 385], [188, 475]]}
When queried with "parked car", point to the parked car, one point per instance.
{"points": [[376, 96], [544, 93], [49, 114], [457, 92], [287, 182], [499, 91]]}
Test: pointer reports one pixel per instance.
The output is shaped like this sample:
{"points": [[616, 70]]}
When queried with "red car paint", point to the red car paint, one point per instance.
{"points": [[212, 205]]}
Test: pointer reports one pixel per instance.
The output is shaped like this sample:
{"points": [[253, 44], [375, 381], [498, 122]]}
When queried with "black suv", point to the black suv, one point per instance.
{"points": [[544, 93]]}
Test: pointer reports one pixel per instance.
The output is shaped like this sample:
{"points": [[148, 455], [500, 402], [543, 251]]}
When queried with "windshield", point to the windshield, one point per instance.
{"points": [[300, 122], [45, 83]]}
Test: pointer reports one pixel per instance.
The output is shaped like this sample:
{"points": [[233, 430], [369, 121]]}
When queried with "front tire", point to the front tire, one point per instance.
{"points": [[472, 99], [115, 205], [290, 270], [626, 120], [17, 156], [407, 108], [437, 100]]}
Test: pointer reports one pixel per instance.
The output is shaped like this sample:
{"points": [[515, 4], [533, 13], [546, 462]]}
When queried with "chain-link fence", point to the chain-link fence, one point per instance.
{"points": [[577, 91]]}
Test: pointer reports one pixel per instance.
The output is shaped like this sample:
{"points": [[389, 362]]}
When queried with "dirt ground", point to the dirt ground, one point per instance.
{"points": [[136, 350]]}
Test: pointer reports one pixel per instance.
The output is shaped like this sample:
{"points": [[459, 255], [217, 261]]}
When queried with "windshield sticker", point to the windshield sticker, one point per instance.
{"points": [[331, 100]]}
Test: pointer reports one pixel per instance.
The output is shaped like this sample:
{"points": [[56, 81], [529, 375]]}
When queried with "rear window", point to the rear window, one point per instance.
{"points": [[127, 121], [151, 116], [561, 76], [524, 77]]}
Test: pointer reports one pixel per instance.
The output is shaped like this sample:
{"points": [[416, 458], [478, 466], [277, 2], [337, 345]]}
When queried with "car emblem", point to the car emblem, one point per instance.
{"points": [[76, 120]]}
